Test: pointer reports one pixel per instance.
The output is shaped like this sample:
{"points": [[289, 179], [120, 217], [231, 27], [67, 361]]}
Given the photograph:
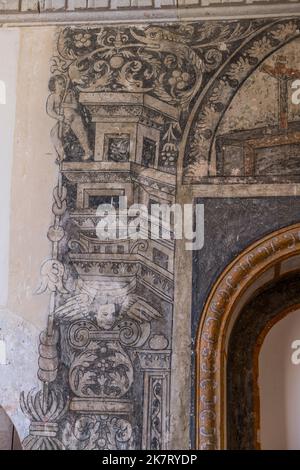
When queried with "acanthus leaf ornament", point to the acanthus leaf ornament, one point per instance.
{"points": [[101, 432], [153, 60]]}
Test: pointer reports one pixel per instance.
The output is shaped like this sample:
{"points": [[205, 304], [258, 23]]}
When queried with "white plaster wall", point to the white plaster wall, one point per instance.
{"points": [[279, 383], [9, 46], [19, 371]]}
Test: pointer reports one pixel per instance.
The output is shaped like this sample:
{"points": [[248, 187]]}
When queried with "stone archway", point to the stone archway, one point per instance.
{"points": [[217, 318], [271, 303]]}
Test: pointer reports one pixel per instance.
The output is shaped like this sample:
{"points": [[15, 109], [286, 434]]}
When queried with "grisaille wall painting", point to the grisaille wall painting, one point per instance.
{"points": [[130, 106]]}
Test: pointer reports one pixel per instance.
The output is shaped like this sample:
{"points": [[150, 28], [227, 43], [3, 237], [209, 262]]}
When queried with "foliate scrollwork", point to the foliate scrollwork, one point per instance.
{"points": [[104, 371], [156, 415], [168, 62], [79, 333], [147, 60], [101, 432]]}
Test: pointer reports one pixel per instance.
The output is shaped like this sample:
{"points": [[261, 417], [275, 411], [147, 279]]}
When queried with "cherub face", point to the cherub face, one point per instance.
{"points": [[59, 86], [106, 315]]}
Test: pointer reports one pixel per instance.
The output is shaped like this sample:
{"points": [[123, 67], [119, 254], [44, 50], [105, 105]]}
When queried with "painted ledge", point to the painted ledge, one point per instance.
{"points": [[147, 15]]}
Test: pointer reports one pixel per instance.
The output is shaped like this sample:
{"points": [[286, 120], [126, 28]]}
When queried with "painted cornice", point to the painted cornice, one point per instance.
{"points": [[34, 12]]}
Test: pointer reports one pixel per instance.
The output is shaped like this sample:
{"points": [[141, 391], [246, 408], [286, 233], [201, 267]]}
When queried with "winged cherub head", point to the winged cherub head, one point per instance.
{"points": [[106, 315]]}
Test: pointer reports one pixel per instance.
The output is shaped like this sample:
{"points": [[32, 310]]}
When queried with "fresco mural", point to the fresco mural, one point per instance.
{"points": [[138, 112]]}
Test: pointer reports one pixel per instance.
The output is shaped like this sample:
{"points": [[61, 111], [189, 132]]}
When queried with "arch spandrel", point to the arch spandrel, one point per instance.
{"points": [[216, 96]]}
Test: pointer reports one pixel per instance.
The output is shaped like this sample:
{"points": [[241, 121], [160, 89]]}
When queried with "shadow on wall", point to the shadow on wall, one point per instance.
{"points": [[19, 341], [9, 439]]}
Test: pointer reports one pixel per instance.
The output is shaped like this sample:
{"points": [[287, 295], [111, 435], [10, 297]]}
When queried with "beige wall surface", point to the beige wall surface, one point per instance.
{"points": [[279, 384], [33, 177], [27, 179]]}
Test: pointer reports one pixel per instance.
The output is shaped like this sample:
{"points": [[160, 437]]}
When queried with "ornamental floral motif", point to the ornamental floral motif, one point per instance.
{"points": [[151, 60], [179, 79], [82, 40], [169, 62], [260, 48], [98, 433], [104, 371]]}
